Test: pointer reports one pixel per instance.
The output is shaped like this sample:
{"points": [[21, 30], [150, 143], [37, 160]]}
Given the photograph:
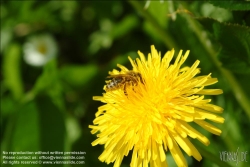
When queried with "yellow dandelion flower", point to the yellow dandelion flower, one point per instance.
{"points": [[148, 110]]}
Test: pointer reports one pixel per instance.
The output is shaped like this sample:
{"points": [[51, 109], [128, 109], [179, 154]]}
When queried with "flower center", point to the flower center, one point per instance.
{"points": [[42, 48]]}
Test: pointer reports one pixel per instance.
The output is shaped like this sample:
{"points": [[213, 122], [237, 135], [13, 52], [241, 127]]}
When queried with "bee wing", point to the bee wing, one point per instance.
{"points": [[117, 76]]}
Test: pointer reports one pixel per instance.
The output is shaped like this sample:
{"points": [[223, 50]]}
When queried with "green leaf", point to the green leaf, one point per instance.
{"points": [[78, 76], [52, 125], [124, 27], [26, 125], [48, 78], [36, 126], [22, 131], [232, 4], [110, 32], [231, 127], [48, 83], [11, 70], [235, 44], [7, 105], [159, 11]]}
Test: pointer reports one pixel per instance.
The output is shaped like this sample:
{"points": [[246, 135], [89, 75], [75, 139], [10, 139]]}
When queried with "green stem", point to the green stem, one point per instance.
{"points": [[165, 37]]}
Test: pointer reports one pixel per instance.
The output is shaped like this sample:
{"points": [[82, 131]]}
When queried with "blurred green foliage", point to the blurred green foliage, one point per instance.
{"points": [[49, 108]]}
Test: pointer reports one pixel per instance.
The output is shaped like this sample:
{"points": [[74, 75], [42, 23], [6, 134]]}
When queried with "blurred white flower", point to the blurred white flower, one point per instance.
{"points": [[38, 50]]}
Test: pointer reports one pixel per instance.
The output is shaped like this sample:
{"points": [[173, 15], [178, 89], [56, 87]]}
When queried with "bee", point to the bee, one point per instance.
{"points": [[120, 81]]}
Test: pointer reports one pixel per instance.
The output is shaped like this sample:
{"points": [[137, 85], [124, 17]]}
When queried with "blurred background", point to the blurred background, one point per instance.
{"points": [[55, 56]]}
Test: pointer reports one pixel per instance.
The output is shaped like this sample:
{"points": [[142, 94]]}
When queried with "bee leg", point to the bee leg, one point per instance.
{"points": [[124, 90], [140, 79], [134, 84]]}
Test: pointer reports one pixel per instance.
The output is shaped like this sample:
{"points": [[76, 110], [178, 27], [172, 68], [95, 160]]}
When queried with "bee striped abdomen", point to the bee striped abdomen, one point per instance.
{"points": [[114, 84]]}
